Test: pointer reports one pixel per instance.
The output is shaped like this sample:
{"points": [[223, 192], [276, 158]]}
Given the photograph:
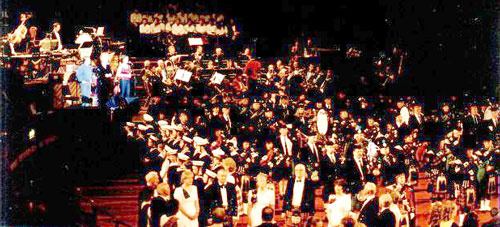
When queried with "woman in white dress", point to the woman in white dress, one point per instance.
{"points": [[187, 195], [339, 204], [259, 198]]}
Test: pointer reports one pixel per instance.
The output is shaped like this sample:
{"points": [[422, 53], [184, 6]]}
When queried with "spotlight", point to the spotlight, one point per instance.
{"points": [[42, 207], [31, 205], [341, 96], [31, 134]]}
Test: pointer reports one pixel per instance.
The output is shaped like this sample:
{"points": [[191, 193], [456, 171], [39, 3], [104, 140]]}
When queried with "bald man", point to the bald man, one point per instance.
{"points": [[299, 192]]}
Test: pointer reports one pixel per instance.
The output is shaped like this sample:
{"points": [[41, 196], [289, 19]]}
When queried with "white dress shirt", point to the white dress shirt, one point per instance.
{"points": [[298, 191], [228, 120], [286, 143], [332, 157], [314, 150], [359, 164], [223, 195]]}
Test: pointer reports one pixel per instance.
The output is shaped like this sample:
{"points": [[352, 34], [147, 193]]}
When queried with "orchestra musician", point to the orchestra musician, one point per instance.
{"points": [[54, 35], [308, 49], [147, 79], [199, 55], [104, 79], [18, 36], [217, 57]]}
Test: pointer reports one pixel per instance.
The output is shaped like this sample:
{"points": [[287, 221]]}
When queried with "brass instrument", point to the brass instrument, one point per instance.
{"points": [[171, 68]]}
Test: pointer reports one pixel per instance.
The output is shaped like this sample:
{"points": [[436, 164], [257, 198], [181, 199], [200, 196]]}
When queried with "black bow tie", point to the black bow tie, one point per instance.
{"points": [[223, 186], [298, 181]]}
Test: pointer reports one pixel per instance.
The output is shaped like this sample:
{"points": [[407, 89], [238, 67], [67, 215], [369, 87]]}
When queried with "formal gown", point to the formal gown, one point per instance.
{"points": [[264, 198], [338, 210], [188, 198]]}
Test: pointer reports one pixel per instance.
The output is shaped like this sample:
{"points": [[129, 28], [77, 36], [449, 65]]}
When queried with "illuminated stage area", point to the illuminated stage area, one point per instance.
{"points": [[263, 113]]}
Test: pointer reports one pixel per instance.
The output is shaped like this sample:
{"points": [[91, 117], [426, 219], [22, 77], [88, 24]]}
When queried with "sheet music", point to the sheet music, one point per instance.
{"points": [[217, 78], [183, 75], [195, 41]]}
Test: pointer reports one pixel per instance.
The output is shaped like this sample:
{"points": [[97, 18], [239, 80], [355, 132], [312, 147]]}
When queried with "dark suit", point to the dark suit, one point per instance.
{"points": [[331, 170], [284, 111], [471, 129], [490, 127], [306, 205], [104, 84], [174, 176], [416, 124], [229, 123], [369, 213], [146, 194], [198, 182], [329, 167], [387, 219], [213, 198], [355, 175], [314, 154], [160, 207]]}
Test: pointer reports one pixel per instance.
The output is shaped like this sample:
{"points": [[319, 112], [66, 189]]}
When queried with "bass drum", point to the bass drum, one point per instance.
{"points": [[322, 122]]}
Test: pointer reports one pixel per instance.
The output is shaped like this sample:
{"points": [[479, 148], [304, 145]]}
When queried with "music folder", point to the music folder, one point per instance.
{"points": [[100, 31], [48, 44], [195, 41], [217, 78], [183, 75]]}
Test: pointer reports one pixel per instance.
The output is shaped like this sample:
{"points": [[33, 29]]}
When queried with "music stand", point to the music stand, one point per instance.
{"points": [[100, 31], [46, 45], [183, 75], [217, 78], [195, 41]]}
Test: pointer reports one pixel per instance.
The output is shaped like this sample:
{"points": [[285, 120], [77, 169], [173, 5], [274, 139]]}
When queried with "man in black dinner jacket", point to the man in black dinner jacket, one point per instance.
{"points": [[368, 213], [386, 217], [299, 192], [222, 194]]}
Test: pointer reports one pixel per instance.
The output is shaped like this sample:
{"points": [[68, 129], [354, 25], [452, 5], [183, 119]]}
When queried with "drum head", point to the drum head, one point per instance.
{"points": [[322, 122]]}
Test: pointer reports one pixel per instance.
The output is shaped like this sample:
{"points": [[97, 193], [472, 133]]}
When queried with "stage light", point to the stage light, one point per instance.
{"points": [[31, 134], [31, 205], [42, 207], [341, 96]]}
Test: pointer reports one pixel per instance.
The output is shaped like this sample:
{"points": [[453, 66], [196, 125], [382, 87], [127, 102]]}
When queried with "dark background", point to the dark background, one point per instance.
{"points": [[452, 47], [452, 44]]}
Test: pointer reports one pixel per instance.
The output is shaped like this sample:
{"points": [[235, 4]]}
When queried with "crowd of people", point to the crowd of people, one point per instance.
{"points": [[242, 138], [173, 26], [244, 154], [242, 75], [182, 23]]}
